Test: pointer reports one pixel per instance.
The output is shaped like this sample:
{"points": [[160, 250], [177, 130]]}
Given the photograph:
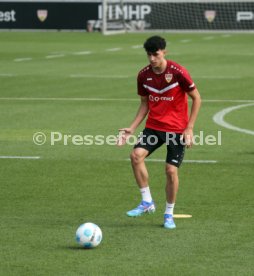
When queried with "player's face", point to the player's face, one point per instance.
{"points": [[157, 58]]}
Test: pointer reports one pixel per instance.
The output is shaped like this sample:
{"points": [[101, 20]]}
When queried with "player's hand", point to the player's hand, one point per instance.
{"points": [[188, 137], [123, 135]]}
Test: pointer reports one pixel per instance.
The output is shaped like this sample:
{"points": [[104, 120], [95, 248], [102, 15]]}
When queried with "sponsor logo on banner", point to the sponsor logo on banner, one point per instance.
{"points": [[168, 77], [7, 16], [42, 15], [210, 16], [244, 15]]}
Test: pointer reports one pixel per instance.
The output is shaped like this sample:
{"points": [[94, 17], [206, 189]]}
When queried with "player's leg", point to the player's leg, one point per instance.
{"points": [[175, 154], [138, 156], [142, 149], [171, 189], [172, 183]]}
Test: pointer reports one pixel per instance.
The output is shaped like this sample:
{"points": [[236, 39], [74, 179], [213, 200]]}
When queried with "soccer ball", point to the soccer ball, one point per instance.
{"points": [[89, 235]]}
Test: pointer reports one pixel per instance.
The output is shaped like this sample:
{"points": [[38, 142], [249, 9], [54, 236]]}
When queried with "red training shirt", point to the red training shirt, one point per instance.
{"points": [[168, 100]]}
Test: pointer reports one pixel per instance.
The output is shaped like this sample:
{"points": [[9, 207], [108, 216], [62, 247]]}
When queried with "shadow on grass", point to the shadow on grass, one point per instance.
{"points": [[134, 223], [71, 247]]}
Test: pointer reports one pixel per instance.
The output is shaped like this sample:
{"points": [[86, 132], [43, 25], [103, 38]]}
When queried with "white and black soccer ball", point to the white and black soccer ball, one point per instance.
{"points": [[89, 235]]}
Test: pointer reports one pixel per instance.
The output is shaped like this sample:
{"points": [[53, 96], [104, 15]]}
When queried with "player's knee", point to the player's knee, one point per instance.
{"points": [[171, 170], [136, 157]]}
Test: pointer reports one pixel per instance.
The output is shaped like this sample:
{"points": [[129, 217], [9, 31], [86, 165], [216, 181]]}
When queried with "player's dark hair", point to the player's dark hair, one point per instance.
{"points": [[155, 43]]}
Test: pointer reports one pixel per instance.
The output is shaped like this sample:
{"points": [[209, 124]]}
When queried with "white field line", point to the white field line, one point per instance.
{"points": [[7, 75], [226, 35], [227, 101], [22, 59], [218, 118], [243, 54], [108, 99], [185, 161], [218, 77], [69, 99], [19, 157], [136, 46], [54, 56], [113, 49], [122, 76], [185, 40], [208, 37], [201, 161], [58, 53], [99, 76], [82, 53]]}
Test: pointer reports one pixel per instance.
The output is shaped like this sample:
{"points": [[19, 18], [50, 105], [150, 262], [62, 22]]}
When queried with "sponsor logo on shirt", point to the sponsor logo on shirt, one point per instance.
{"points": [[157, 99]]}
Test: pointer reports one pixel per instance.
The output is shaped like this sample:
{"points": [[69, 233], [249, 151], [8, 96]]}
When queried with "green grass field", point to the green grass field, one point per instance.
{"points": [[74, 83]]}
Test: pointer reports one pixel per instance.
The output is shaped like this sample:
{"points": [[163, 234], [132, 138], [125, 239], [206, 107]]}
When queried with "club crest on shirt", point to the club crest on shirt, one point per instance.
{"points": [[168, 77]]}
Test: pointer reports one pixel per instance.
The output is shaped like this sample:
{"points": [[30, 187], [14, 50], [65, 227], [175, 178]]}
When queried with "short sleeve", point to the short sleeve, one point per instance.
{"points": [[141, 90], [185, 80]]}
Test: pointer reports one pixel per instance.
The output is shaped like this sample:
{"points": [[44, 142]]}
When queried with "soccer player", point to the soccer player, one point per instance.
{"points": [[163, 87]]}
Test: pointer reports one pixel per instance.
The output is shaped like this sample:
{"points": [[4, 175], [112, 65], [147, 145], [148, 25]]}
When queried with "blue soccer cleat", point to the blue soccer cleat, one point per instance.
{"points": [[169, 221], [144, 207]]}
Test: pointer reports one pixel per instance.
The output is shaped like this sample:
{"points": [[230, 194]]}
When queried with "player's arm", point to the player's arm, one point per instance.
{"points": [[140, 116], [196, 103]]}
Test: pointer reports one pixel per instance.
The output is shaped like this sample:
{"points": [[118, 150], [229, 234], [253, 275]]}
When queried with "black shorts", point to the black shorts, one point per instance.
{"points": [[151, 140]]}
